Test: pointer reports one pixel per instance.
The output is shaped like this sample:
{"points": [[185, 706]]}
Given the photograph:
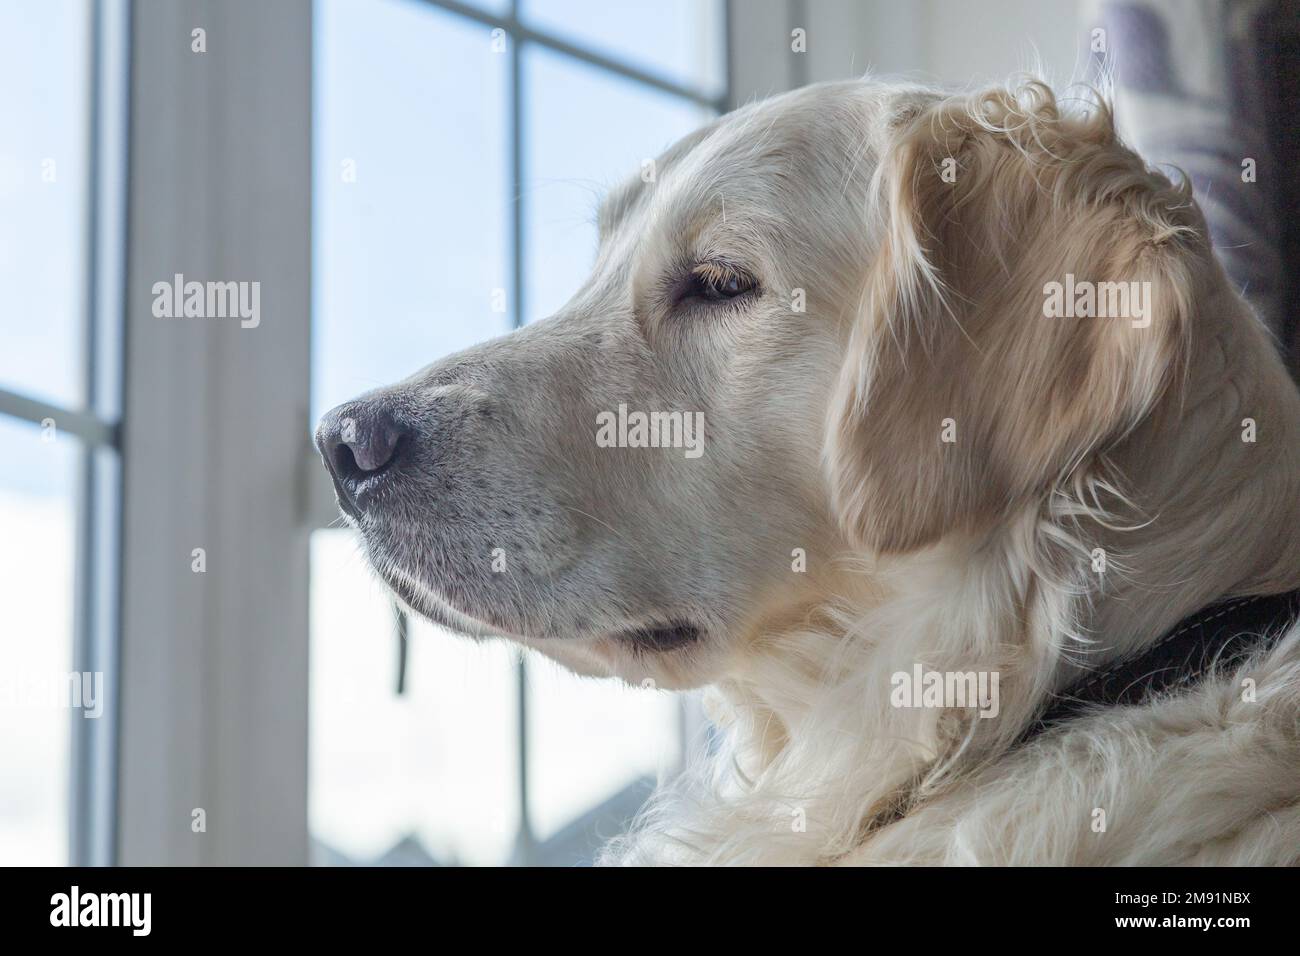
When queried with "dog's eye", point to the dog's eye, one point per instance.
{"points": [[718, 282]]}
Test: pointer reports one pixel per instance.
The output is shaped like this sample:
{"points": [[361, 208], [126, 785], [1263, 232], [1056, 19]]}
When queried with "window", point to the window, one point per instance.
{"points": [[62, 65], [430, 119]]}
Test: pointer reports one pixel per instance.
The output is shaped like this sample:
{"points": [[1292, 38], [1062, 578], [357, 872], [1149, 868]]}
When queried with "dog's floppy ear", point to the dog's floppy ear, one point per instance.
{"points": [[989, 362]]}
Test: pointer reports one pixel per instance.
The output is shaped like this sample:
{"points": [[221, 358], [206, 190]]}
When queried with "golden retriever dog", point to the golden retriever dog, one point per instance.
{"points": [[892, 417]]}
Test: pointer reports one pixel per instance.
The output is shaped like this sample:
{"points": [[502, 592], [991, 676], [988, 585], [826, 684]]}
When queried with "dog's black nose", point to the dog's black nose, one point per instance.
{"points": [[358, 441]]}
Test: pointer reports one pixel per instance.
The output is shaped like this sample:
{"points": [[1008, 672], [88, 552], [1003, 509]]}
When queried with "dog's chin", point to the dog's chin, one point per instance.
{"points": [[673, 635], [654, 634], [663, 652], [424, 603], [666, 650]]}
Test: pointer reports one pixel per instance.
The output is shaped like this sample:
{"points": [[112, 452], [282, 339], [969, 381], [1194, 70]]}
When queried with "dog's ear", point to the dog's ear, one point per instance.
{"points": [[979, 373]]}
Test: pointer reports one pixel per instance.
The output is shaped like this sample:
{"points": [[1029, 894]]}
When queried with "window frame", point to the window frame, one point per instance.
{"points": [[213, 680]]}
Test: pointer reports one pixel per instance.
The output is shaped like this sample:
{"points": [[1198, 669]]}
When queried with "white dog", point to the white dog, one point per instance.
{"points": [[891, 416]]}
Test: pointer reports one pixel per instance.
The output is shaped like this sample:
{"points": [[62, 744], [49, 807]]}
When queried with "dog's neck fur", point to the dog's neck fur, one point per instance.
{"points": [[1214, 502], [815, 755]]}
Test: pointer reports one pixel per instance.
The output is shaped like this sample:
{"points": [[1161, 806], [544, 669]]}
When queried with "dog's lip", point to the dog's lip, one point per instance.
{"points": [[349, 510], [425, 600], [407, 593], [662, 638], [366, 489], [434, 608], [658, 637], [370, 485]]}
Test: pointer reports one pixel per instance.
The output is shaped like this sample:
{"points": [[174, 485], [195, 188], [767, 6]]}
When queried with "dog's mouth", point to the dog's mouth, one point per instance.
{"points": [[671, 635], [662, 638], [655, 638]]}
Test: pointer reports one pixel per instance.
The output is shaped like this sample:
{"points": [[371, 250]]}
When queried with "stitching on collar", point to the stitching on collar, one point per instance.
{"points": [[1194, 623]]}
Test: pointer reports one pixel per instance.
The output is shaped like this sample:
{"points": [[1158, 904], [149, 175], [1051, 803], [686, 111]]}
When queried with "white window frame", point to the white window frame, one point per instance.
{"points": [[213, 681]]}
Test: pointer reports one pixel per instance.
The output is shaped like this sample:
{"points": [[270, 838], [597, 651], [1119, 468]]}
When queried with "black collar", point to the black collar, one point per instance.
{"points": [[1220, 636]]}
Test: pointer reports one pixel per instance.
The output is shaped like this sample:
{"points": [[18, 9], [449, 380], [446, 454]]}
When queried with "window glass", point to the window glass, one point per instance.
{"points": [[588, 739], [426, 776], [680, 40], [572, 161], [44, 141], [410, 260], [37, 690]]}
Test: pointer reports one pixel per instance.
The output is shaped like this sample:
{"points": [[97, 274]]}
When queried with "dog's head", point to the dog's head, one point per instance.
{"points": [[827, 325]]}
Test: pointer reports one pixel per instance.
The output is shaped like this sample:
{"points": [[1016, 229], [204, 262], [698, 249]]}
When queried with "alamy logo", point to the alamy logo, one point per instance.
{"points": [[76, 690], [208, 300], [102, 909], [635, 429], [964, 689], [1082, 299]]}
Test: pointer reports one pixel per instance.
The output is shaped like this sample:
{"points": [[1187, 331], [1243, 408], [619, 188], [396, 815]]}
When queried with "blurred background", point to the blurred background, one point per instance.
{"points": [[195, 665]]}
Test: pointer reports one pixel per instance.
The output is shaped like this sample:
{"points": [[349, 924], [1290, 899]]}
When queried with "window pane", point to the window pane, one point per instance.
{"points": [[37, 512], [410, 208], [427, 776], [588, 739], [571, 161], [44, 73], [681, 40]]}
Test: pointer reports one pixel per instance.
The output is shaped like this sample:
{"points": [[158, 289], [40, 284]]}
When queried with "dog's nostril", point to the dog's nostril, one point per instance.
{"points": [[356, 442], [375, 448], [345, 463]]}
